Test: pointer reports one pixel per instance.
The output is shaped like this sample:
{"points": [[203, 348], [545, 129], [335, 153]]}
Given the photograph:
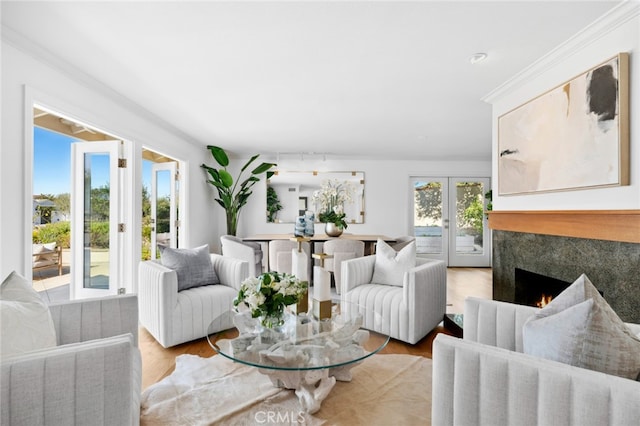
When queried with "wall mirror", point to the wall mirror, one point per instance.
{"points": [[290, 193]]}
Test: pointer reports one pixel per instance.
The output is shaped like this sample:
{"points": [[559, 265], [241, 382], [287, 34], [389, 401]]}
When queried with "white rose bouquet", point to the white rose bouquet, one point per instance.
{"points": [[267, 295]]}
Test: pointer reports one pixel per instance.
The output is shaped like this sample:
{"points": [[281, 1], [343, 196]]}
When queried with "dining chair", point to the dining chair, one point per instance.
{"points": [[248, 251], [339, 251], [281, 256]]}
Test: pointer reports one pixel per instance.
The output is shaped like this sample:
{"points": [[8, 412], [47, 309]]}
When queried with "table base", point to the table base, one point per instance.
{"points": [[311, 386]]}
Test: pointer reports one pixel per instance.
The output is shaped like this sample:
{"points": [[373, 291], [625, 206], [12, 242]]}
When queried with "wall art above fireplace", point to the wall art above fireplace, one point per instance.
{"points": [[575, 136]]}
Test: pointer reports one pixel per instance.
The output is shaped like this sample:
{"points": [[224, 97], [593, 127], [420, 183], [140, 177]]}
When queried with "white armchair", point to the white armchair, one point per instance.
{"points": [[248, 251], [93, 375], [340, 250], [409, 311], [485, 379], [174, 317]]}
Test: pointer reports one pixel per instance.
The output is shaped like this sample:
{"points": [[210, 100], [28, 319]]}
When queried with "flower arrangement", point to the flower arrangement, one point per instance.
{"points": [[331, 197], [267, 295]]}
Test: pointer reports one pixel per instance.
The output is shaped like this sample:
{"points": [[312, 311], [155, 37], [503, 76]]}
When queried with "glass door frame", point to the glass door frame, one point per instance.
{"points": [[448, 245], [463, 258], [116, 210], [172, 168]]}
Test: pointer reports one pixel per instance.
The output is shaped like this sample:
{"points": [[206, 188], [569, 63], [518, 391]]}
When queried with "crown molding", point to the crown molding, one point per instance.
{"points": [[36, 51], [613, 19]]}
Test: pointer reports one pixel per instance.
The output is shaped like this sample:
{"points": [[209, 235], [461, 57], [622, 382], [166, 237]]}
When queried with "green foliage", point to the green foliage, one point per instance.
{"points": [[60, 232], [99, 234], [63, 203], [273, 204], [100, 203], [489, 196], [163, 214], [469, 203], [428, 200], [232, 194], [333, 217], [473, 215]]}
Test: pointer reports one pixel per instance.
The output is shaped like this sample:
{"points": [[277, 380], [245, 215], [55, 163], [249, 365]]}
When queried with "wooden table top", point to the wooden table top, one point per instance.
{"points": [[319, 237]]}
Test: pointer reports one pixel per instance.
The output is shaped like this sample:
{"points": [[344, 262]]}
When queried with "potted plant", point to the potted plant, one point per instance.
{"points": [[332, 196], [232, 194], [273, 204]]}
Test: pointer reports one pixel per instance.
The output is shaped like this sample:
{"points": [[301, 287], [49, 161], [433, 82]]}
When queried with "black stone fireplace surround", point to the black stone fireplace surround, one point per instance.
{"points": [[612, 266]]}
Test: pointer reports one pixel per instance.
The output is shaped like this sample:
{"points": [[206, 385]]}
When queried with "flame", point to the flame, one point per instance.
{"points": [[544, 301]]}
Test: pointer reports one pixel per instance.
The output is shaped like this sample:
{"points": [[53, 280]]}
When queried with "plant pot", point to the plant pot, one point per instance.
{"points": [[332, 230]]}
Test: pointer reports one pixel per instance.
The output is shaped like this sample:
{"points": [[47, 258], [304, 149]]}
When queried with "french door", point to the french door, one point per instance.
{"points": [[164, 212], [97, 219], [449, 221]]}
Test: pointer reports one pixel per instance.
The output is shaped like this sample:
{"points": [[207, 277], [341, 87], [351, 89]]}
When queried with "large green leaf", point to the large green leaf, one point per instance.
{"points": [[219, 155], [262, 168], [249, 162], [226, 178]]}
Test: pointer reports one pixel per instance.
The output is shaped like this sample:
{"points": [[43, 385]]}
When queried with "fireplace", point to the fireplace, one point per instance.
{"points": [[533, 289], [611, 266]]}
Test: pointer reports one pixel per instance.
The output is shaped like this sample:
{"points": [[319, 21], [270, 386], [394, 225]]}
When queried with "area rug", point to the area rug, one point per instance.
{"points": [[385, 390]]}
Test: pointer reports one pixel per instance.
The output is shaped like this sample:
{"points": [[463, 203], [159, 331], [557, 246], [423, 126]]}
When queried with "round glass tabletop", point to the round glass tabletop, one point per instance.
{"points": [[302, 342]]}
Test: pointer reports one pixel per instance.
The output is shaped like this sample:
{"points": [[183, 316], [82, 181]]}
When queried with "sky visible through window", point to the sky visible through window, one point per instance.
{"points": [[52, 164]]}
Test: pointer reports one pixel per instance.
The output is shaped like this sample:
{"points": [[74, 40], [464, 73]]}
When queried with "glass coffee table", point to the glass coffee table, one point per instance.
{"points": [[304, 354]]}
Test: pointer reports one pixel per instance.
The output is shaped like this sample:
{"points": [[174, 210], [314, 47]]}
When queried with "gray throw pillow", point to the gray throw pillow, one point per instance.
{"points": [[579, 328], [193, 266]]}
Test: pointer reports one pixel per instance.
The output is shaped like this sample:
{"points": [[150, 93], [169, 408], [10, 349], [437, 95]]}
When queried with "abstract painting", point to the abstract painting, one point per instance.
{"points": [[575, 136]]}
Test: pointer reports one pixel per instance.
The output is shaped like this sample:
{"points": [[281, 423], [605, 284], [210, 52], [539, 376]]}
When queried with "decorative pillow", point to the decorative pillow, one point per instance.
{"points": [[391, 265], [579, 328], [26, 322], [193, 266], [400, 246]]}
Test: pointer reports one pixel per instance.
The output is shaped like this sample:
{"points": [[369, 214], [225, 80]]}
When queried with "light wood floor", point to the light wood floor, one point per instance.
{"points": [[158, 362]]}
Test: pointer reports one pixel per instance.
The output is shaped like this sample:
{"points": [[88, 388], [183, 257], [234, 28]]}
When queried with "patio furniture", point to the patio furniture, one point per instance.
{"points": [[47, 256]]}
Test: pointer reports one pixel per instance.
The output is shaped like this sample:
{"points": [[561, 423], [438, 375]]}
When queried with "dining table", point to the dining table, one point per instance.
{"points": [[369, 240]]}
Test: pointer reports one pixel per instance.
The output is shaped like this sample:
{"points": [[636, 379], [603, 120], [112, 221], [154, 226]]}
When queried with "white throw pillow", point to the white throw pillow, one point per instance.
{"points": [[579, 328], [391, 265], [26, 322], [193, 266], [45, 251]]}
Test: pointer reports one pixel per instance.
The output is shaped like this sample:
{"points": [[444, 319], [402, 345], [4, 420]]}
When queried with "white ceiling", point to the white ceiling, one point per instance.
{"points": [[368, 79]]}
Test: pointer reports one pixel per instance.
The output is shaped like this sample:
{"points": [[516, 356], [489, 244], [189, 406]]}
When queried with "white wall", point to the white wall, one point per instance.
{"points": [[25, 78], [387, 189], [387, 198], [614, 33]]}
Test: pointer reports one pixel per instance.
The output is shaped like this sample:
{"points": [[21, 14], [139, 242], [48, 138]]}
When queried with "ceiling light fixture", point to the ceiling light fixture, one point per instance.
{"points": [[477, 57]]}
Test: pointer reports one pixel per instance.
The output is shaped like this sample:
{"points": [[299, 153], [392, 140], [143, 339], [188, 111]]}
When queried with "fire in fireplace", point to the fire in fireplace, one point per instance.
{"points": [[533, 289]]}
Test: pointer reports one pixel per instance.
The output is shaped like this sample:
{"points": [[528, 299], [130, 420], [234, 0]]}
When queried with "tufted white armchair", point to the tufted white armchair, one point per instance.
{"points": [[409, 310], [92, 377], [174, 317], [486, 379]]}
